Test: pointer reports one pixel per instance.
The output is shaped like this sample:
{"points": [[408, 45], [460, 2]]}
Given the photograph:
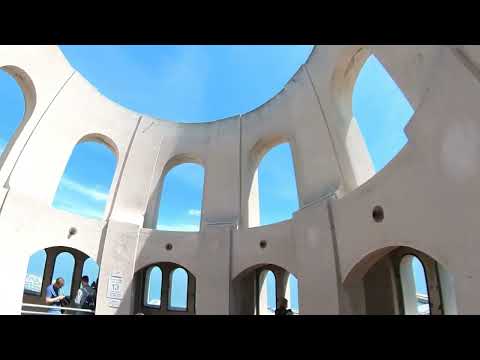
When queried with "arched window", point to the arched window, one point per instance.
{"points": [[85, 185], [291, 293], [382, 111], [414, 286], [178, 290], [267, 299], [64, 267], [153, 287], [91, 269], [12, 107], [273, 194], [35, 271], [180, 207]]}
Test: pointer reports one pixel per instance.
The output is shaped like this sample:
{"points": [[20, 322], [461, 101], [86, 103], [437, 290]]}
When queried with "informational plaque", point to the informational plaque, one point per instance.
{"points": [[114, 303], [115, 286]]}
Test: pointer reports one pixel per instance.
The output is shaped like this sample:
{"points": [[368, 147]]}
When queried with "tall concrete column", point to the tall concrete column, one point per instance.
{"points": [[49, 268], [117, 259], [214, 281], [77, 273], [318, 281]]}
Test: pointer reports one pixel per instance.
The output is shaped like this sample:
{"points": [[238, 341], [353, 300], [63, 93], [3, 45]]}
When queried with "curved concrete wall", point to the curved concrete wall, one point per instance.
{"points": [[428, 192]]}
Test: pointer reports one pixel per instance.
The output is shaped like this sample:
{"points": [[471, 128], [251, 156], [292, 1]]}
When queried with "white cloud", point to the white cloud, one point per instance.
{"points": [[194, 212], [155, 302], [84, 190]]}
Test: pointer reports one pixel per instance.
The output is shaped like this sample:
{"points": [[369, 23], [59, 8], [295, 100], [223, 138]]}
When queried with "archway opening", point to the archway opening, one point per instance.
{"points": [[273, 195], [259, 289], [178, 296], [180, 203], [267, 299], [399, 280], [35, 271], [381, 110], [85, 185], [45, 266], [414, 286], [63, 267], [291, 293], [12, 105], [153, 287], [164, 289]]}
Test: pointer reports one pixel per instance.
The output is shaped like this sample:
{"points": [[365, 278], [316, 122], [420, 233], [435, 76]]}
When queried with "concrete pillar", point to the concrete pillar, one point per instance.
{"points": [[262, 292], [13, 268], [214, 281], [409, 290], [117, 258], [318, 284], [77, 273], [380, 289], [48, 272], [448, 291], [283, 287], [165, 290], [254, 203]]}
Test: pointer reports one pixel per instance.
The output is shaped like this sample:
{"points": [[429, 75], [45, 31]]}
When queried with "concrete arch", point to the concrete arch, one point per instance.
{"points": [[167, 270], [79, 258], [102, 139], [30, 101], [256, 154], [249, 292], [363, 264], [350, 63], [398, 284], [111, 146], [153, 205]]}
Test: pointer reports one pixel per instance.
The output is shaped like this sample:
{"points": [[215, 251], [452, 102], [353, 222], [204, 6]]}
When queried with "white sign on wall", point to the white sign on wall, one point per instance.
{"points": [[115, 286], [114, 303]]}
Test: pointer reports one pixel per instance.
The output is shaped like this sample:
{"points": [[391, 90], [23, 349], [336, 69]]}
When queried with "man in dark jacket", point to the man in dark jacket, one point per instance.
{"points": [[282, 308], [85, 297]]}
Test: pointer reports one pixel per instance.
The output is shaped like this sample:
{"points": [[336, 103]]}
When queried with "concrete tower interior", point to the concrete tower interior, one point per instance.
{"points": [[349, 246]]}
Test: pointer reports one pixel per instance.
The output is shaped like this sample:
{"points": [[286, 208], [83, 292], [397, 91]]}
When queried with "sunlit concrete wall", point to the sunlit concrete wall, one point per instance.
{"points": [[428, 192]]}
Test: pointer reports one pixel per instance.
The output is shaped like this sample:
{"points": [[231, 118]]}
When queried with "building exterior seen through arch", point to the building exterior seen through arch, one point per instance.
{"points": [[355, 230]]}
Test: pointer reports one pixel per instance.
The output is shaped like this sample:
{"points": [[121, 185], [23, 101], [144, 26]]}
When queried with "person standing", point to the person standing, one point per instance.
{"points": [[85, 297], [54, 296], [282, 309]]}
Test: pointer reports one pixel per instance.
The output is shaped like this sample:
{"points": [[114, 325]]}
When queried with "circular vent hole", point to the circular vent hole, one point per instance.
{"points": [[263, 244], [169, 247], [377, 214]]}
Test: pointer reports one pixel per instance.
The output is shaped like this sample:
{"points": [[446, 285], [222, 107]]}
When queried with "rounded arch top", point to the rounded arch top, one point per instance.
{"points": [[101, 139], [363, 265], [27, 86], [264, 266], [347, 68], [264, 145], [184, 158]]}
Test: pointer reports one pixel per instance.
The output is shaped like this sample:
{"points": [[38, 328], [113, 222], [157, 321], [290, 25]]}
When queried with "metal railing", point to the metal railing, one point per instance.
{"points": [[30, 312]]}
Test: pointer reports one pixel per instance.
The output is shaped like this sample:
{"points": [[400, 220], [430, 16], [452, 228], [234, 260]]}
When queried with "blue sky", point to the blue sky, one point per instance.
{"points": [[198, 84]]}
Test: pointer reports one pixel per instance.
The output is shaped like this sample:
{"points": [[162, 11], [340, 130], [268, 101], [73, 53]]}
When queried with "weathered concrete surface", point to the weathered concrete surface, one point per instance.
{"points": [[429, 192]]}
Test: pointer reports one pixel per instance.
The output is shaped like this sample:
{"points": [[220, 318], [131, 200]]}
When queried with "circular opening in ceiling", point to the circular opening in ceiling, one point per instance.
{"points": [[188, 83]]}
